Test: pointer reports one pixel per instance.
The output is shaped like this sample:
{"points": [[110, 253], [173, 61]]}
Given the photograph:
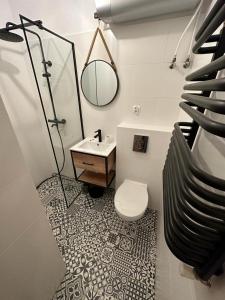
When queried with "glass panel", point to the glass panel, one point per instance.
{"points": [[54, 66]]}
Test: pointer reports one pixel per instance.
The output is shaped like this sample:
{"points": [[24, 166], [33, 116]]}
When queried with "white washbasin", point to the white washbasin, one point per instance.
{"points": [[91, 146]]}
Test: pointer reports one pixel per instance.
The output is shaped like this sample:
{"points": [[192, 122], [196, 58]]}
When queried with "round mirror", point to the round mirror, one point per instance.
{"points": [[99, 82]]}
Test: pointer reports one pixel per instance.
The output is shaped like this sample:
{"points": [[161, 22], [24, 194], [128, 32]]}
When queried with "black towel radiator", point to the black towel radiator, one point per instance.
{"points": [[194, 200]]}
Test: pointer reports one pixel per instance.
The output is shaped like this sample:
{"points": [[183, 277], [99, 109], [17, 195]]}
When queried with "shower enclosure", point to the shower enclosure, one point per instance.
{"points": [[54, 67]]}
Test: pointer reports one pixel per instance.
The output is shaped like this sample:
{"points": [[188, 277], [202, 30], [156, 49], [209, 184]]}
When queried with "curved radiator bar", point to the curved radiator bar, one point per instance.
{"points": [[208, 85], [217, 106], [218, 5], [208, 124], [193, 228], [214, 22], [194, 200], [214, 66]]}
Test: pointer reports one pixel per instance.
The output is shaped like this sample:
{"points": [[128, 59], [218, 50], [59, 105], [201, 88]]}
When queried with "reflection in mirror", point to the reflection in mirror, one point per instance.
{"points": [[99, 82]]}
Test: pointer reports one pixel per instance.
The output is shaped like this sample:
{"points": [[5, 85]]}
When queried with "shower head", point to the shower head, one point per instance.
{"points": [[8, 36]]}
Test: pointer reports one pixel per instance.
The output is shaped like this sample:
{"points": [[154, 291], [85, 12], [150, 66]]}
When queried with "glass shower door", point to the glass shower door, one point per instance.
{"points": [[54, 66]]}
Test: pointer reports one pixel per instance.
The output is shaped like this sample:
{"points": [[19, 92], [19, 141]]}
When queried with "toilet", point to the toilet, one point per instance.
{"points": [[131, 200]]}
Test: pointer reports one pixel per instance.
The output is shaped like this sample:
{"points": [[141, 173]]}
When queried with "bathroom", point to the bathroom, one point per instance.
{"points": [[64, 236]]}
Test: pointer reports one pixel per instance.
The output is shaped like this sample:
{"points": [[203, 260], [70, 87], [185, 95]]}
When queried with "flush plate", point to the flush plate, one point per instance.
{"points": [[140, 143]]}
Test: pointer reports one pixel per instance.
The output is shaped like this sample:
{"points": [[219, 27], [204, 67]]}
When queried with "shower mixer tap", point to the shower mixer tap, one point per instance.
{"points": [[47, 63], [46, 75], [56, 122]]}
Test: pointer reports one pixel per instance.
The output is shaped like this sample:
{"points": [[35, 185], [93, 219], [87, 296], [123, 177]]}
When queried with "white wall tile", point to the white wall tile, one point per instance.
{"points": [[156, 80], [141, 52], [141, 43]]}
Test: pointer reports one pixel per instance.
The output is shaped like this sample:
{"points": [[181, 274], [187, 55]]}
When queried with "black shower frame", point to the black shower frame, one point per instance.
{"points": [[39, 24]]}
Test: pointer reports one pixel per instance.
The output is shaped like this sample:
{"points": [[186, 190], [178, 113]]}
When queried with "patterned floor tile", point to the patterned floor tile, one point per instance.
{"points": [[106, 257], [145, 241], [52, 186], [71, 288], [117, 286], [99, 275], [122, 262], [135, 290]]}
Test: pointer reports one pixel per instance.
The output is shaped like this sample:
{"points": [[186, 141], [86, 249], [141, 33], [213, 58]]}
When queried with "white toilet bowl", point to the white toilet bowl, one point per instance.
{"points": [[131, 200]]}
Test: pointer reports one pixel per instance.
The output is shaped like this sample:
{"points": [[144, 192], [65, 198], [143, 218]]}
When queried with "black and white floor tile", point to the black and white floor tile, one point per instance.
{"points": [[106, 258]]}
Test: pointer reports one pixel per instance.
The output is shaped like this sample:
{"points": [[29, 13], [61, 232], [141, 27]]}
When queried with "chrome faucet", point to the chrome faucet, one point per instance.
{"points": [[99, 135]]}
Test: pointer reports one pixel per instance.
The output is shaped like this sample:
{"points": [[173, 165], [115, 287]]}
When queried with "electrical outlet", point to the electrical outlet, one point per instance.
{"points": [[136, 109]]}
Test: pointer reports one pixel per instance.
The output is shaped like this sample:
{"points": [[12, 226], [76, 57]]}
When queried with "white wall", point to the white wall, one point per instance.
{"points": [[142, 53], [72, 16], [31, 265], [23, 104]]}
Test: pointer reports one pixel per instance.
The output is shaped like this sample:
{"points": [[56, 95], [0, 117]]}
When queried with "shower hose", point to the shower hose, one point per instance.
{"points": [[63, 163]]}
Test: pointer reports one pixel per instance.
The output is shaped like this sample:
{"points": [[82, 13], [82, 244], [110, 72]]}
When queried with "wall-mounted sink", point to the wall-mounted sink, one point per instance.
{"points": [[91, 146], [94, 161]]}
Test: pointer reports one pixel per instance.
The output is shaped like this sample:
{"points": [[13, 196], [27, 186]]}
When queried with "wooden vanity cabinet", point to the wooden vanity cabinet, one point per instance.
{"points": [[95, 169]]}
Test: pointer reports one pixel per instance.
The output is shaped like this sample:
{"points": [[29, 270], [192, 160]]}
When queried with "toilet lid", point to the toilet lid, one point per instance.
{"points": [[131, 198]]}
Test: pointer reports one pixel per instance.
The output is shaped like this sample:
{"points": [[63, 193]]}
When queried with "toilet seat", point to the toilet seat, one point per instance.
{"points": [[131, 200]]}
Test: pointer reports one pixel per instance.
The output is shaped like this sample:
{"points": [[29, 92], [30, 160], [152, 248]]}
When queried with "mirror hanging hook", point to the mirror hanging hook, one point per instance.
{"points": [[98, 30]]}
